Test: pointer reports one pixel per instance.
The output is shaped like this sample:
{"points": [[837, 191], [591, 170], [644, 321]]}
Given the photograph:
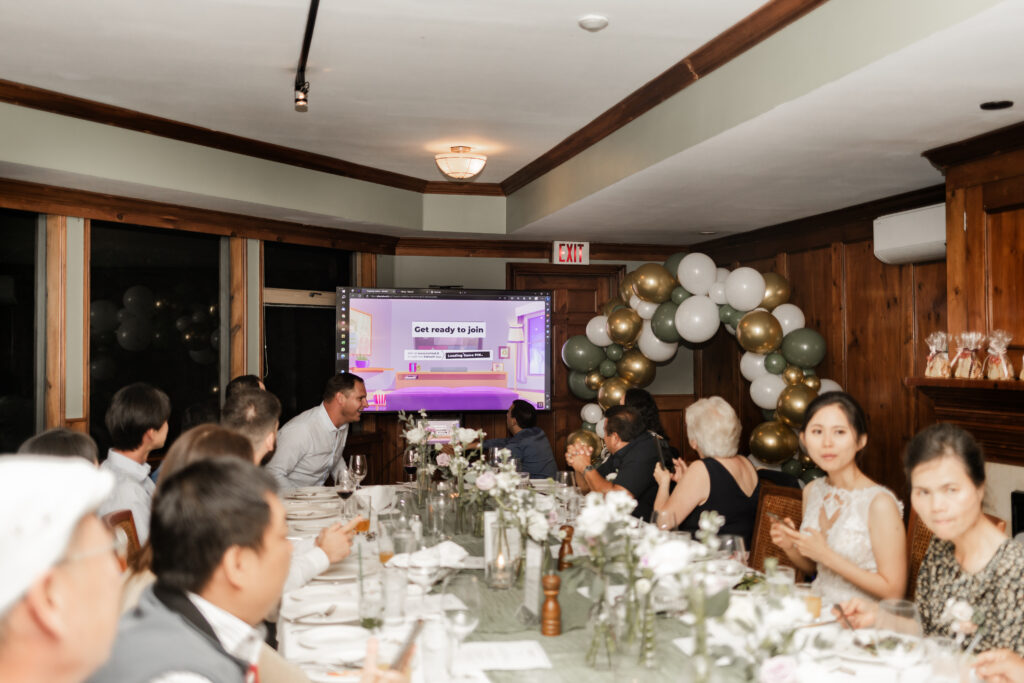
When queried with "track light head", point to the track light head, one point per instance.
{"points": [[302, 97]]}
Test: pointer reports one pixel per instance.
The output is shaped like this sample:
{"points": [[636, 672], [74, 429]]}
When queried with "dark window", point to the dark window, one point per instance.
{"points": [[18, 333], [154, 317], [293, 266]]}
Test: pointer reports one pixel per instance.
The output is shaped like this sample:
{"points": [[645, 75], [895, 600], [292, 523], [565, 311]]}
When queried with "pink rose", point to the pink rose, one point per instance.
{"points": [[486, 481], [443, 460], [780, 669]]}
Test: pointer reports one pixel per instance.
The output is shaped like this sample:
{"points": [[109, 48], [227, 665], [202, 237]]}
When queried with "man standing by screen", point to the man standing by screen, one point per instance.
{"points": [[310, 445], [527, 442]]}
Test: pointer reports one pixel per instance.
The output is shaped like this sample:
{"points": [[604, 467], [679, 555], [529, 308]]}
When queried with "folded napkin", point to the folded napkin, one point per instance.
{"points": [[451, 555]]}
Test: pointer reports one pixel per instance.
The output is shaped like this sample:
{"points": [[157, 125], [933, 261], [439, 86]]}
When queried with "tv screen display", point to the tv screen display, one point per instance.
{"points": [[446, 350]]}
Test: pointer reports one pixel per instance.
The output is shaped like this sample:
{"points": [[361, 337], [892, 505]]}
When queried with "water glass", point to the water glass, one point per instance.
{"points": [[780, 582], [396, 581], [461, 600], [732, 547], [372, 600], [439, 504]]}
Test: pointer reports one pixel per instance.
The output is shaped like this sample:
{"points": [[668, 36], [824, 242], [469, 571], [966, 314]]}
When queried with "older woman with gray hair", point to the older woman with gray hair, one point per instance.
{"points": [[722, 480]]}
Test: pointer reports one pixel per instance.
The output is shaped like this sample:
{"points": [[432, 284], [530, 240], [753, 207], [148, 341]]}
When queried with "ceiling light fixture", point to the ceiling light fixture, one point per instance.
{"points": [[301, 84], [593, 22], [461, 163]]}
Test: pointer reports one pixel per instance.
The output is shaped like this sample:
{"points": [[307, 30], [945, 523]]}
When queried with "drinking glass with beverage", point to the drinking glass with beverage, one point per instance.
{"points": [[371, 602], [345, 486], [410, 459], [357, 466]]}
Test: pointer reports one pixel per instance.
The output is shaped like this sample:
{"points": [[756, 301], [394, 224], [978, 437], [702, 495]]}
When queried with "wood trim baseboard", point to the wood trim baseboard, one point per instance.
{"points": [[469, 248], [767, 20], [49, 199], [56, 291]]}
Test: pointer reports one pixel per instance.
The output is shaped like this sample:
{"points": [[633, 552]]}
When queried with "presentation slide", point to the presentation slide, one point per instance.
{"points": [[441, 350]]}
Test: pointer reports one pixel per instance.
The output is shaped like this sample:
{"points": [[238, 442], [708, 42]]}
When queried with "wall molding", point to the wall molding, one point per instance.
{"points": [[999, 141]]}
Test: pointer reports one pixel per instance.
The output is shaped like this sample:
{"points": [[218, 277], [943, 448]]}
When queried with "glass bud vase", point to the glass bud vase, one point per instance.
{"points": [[424, 479], [603, 649], [500, 568]]}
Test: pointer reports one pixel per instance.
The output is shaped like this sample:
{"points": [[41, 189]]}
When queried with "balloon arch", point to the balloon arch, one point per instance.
{"points": [[685, 300]]}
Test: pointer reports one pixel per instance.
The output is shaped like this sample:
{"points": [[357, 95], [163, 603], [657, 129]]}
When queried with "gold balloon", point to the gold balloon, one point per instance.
{"points": [[586, 438], [773, 442], [813, 382], [759, 332], [776, 290], [624, 326], [610, 305], [612, 392], [793, 375], [654, 283], [626, 290], [594, 380], [636, 368], [793, 402]]}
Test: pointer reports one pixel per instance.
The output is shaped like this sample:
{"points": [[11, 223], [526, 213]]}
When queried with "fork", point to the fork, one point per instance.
{"points": [[316, 615]]}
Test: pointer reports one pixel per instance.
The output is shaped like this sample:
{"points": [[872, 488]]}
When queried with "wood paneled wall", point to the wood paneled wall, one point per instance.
{"points": [[874, 318]]}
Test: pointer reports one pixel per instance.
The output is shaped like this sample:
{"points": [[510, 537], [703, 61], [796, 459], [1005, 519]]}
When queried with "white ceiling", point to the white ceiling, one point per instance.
{"points": [[394, 81]]}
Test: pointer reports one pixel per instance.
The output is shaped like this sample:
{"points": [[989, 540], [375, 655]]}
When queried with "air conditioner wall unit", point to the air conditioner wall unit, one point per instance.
{"points": [[911, 236]]}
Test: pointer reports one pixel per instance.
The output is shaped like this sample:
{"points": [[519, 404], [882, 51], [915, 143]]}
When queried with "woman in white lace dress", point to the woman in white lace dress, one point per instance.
{"points": [[852, 532]]}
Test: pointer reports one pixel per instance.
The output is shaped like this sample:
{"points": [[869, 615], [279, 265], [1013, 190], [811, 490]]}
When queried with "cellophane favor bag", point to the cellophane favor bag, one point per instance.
{"points": [[938, 355], [965, 363], [998, 365]]}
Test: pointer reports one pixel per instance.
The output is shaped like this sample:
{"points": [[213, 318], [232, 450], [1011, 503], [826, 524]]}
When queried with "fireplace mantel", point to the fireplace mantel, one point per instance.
{"points": [[993, 411]]}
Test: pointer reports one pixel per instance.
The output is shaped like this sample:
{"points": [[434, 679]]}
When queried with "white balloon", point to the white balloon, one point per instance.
{"points": [[752, 365], [765, 390], [597, 331], [790, 317], [600, 427], [646, 309], [731, 330], [592, 413], [655, 349], [696, 273], [744, 288], [697, 319], [721, 275], [634, 301], [717, 293], [828, 385]]}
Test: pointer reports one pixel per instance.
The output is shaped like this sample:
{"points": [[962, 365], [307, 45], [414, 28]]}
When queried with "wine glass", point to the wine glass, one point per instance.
{"points": [[566, 479], [898, 640], [460, 611], [732, 547], [410, 459], [357, 466], [665, 520], [345, 486], [424, 567]]}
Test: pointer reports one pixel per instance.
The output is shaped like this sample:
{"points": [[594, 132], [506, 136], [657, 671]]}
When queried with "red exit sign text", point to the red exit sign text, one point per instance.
{"points": [[574, 253]]}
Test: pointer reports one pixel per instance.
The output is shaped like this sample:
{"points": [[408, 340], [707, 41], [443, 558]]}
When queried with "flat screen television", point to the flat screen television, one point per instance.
{"points": [[450, 350]]}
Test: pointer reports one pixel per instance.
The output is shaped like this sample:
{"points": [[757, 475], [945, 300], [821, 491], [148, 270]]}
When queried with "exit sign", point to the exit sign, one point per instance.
{"points": [[574, 253]]}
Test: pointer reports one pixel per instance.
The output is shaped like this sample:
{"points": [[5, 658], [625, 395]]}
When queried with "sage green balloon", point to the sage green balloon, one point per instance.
{"points": [[775, 363], [793, 467], [590, 427], [768, 414], [809, 372], [679, 295], [726, 313], [672, 262], [803, 347], [578, 386], [811, 474], [607, 368], [663, 323], [581, 354], [613, 351]]}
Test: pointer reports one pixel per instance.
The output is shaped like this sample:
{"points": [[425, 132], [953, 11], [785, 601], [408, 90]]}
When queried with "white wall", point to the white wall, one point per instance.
{"points": [[489, 273], [1001, 481]]}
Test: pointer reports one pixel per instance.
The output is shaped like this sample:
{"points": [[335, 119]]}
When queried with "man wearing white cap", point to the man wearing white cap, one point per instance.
{"points": [[59, 577]]}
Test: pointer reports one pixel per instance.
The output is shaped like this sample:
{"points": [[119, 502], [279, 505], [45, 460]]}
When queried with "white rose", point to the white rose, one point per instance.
{"points": [[643, 587], [537, 527], [592, 521], [466, 436], [544, 503], [670, 557], [415, 435]]}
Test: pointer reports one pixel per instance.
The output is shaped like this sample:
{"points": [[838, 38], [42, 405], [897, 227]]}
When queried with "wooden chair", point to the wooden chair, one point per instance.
{"points": [[918, 540], [124, 521], [785, 502]]}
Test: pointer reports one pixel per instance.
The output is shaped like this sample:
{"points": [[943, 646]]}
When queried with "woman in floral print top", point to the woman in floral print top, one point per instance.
{"points": [[971, 575]]}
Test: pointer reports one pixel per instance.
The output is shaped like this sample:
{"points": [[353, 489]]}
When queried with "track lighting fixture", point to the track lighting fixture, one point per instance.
{"points": [[301, 84]]}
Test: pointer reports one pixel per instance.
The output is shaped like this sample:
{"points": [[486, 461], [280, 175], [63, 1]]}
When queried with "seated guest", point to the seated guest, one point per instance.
{"points": [[310, 445], [969, 559], [721, 480], [62, 441], [244, 383], [220, 553], [643, 402], [527, 442], [59, 576], [254, 415], [852, 532], [137, 423], [634, 453]]}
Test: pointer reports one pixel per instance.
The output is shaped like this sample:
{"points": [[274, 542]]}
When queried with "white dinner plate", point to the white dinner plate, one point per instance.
{"points": [[850, 651], [311, 492], [309, 593], [310, 514], [346, 643], [348, 570]]}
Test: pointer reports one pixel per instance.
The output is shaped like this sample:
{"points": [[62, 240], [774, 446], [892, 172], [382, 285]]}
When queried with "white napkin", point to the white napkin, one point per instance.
{"points": [[451, 555]]}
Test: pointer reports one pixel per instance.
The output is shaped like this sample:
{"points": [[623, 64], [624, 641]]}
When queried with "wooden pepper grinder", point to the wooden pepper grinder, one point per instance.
{"points": [[565, 552], [551, 612]]}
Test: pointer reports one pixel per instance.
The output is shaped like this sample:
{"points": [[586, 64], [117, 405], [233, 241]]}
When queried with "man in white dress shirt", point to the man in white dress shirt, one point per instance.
{"points": [[310, 445], [137, 423]]}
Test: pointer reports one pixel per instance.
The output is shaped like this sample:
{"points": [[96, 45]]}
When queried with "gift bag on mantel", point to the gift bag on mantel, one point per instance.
{"points": [[938, 355], [965, 363], [998, 365]]}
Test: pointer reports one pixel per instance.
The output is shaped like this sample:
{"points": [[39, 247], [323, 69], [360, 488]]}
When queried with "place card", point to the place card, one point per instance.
{"points": [[513, 655], [531, 581]]}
